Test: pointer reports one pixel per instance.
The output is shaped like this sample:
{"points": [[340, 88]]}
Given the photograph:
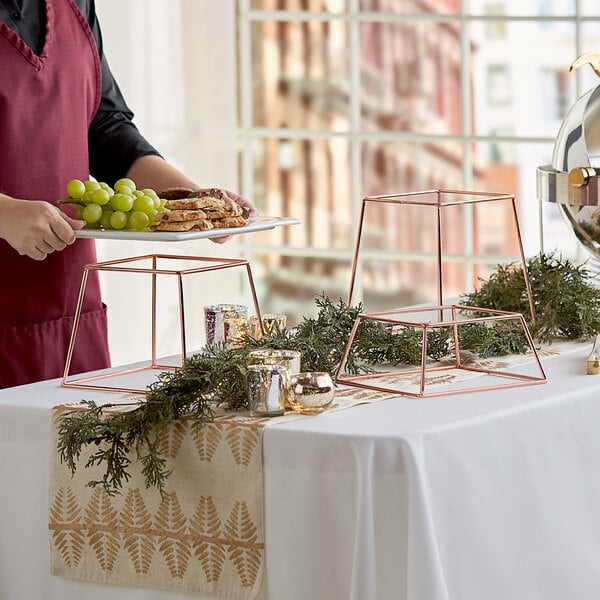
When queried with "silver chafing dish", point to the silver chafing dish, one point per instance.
{"points": [[571, 181]]}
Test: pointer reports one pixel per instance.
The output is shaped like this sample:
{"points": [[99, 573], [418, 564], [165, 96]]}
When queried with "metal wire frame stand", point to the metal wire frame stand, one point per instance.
{"points": [[437, 200], [127, 265], [394, 317]]}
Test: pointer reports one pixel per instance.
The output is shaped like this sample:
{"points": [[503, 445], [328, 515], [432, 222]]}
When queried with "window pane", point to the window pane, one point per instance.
{"points": [[410, 77], [289, 284], [511, 169], [449, 7], [514, 96], [589, 8], [534, 8], [308, 180], [300, 74], [332, 6], [590, 34], [394, 167]]}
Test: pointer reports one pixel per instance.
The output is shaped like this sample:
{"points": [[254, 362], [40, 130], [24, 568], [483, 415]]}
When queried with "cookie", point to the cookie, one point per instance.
{"points": [[174, 193], [212, 192], [182, 225], [180, 215], [229, 222], [195, 203]]}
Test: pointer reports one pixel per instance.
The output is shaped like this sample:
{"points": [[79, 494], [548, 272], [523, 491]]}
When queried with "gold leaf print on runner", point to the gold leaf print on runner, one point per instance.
{"points": [[102, 521], [242, 441], [172, 525], [172, 436], [66, 529], [245, 553], [138, 540], [205, 527], [206, 439]]}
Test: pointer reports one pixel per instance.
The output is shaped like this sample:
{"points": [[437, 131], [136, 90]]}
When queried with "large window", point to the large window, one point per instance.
{"points": [[340, 99]]}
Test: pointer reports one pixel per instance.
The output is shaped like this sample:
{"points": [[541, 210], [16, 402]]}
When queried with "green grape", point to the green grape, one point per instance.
{"points": [[144, 204], [121, 202], [88, 197], [124, 181], [138, 193], [118, 219], [156, 201], [90, 185], [105, 219], [92, 213], [100, 197], [75, 188], [150, 192], [107, 187], [78, 211], [137, 220], [161, 206], [151, 216]]}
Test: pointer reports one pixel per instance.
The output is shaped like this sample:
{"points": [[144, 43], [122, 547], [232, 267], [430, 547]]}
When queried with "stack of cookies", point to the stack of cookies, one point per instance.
{"points": [[198, 210]]}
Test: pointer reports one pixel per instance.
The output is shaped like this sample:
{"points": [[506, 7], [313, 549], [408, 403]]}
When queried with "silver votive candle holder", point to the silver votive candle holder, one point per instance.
{"points": [[311, 393], [273, 322], [268, 386], [291, 359], [215, 316]]}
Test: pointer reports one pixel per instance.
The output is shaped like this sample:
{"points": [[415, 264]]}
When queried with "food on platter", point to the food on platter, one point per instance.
{"points": [[193, 210], [124, 207]]}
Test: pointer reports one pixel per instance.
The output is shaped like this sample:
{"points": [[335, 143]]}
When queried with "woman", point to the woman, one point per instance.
{"points": [[62, 116]]}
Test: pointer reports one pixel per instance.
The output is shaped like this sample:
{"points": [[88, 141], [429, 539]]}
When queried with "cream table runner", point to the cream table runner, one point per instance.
{"points": [[205, 535]]}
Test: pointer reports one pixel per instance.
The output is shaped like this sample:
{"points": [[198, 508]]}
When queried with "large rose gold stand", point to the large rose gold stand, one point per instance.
{"points": [[435, 201], [428, 373], [153, 264]]}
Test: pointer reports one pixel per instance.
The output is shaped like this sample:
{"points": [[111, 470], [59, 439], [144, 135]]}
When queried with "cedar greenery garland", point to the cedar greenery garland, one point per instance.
{"points": [[566, 304]]}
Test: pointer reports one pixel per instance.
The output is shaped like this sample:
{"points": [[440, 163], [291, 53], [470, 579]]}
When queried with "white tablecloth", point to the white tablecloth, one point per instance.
{"points": [[484, 496]]}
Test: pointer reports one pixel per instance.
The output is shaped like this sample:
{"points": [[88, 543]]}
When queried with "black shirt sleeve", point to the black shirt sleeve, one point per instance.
{"points": [[114, 141]]}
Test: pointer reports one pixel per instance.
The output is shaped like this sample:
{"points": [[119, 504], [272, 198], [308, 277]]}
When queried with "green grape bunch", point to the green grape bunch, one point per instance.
{"points": [[121, 207]]}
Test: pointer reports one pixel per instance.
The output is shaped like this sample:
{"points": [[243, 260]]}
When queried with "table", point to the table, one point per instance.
{"points": [[491, 495]]}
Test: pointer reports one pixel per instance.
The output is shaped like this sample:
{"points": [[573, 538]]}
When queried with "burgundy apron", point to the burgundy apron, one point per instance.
{"points": [[46, 105]]}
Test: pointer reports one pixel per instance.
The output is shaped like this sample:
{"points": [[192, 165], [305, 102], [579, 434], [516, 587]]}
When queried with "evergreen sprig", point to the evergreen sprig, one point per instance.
{"points": [[566, 303]]}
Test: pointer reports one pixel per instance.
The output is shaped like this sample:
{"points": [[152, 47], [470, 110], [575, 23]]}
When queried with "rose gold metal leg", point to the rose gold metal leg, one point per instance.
{"points": [[356, 251], [75, 324]]}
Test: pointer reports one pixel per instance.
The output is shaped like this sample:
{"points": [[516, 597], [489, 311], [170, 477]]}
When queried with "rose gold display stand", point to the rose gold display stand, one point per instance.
{"points": [[435, 201], [400, 381], [155, 265]]}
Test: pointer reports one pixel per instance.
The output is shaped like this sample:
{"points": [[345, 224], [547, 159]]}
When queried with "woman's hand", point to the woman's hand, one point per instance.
{"points": [[247, 206], [35, 228]]}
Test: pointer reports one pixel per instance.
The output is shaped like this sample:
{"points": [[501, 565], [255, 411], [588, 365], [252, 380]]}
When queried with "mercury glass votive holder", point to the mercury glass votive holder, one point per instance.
{"points": [[273, 322], [215, 316], [311, 393], [290, 359], [267, 389]]}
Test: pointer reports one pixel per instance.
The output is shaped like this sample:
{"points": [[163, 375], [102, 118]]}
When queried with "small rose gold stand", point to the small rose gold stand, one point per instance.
{"points": [[436, 201], [154, 264], [396, 381]]}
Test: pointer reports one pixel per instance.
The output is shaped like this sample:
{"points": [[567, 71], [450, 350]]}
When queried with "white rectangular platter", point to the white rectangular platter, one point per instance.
{"points": [[258, 223]]}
